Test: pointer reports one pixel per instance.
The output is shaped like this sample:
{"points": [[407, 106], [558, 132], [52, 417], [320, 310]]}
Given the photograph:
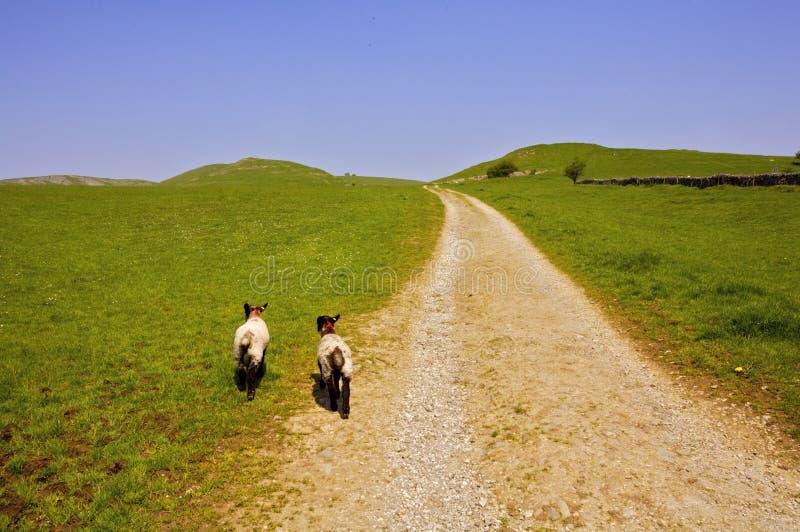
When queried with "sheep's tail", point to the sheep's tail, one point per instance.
{"points": [[242, 346], [337, 358], [246, 339]]}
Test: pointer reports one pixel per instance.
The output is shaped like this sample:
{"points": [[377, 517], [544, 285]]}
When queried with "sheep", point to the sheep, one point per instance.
{"points": [[249, 347], [334, 359]]}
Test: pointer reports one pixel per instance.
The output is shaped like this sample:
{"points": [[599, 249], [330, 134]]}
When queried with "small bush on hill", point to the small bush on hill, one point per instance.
{"points": [[501, 169], [575, 169]]}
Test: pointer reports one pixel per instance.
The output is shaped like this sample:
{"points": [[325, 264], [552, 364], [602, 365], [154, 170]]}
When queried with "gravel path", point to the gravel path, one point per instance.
{"points": [[583, 429], [492, 394], [436, 485]]}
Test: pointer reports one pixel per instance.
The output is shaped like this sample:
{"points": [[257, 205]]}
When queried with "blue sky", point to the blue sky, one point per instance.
{"points": [[417, 89]]}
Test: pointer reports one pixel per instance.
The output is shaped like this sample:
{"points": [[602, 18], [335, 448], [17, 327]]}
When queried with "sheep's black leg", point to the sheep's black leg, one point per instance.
{"points": [[321, 378], [241, 377], [252, 376], [262, 367], [345, 397], [336, 375], [332, 394]]}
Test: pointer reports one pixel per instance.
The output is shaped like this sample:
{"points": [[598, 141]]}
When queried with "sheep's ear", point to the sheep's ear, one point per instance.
{"points": [[265, 305], [336, 318], [246, 310]]}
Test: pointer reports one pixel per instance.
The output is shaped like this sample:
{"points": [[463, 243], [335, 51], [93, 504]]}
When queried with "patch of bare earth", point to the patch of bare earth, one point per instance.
{"points": [[492, 394]]}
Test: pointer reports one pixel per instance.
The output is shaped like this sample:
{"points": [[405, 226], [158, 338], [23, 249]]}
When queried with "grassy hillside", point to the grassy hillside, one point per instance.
{"points": [[75, 180], [118, 408], [249, 171], [385, 181], [602, 162], [708, 278]]}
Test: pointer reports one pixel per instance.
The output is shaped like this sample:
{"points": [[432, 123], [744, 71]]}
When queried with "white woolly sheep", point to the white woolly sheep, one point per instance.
{"points": [[249, 347], [334, 359]]}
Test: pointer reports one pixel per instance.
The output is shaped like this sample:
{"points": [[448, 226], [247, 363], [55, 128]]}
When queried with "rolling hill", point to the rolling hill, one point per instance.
{"points": [[252, 170], [603, 162], [248, 171], [75, 180]]}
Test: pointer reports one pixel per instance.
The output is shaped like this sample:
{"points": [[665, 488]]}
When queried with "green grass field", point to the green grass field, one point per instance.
{"points": [[708, 277], [117, 312], [118, 307]]}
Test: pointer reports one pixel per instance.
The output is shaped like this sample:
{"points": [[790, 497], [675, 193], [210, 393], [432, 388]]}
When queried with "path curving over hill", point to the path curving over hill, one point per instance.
{"points": [[492, 393]]}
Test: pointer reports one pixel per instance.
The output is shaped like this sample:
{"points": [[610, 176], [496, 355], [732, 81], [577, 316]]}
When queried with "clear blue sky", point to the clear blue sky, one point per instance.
{"points": [[418, 89]]}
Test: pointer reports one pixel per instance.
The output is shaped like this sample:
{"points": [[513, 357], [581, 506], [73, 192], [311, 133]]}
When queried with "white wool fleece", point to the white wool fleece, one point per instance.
{"points": [[251, 338], [325, 351]]}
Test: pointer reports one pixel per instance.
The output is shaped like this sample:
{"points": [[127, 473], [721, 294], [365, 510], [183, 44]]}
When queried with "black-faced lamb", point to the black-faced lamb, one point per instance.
{"points": [[334, 359], [249, 347]]}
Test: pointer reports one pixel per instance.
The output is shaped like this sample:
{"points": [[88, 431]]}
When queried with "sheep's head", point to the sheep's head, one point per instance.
{"points": [[250, 310], [325, 324]]}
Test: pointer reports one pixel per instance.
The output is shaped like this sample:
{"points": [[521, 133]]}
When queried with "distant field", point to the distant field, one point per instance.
{"points": [[387, 181], [550, 160], [709, 278], [117, 312]]}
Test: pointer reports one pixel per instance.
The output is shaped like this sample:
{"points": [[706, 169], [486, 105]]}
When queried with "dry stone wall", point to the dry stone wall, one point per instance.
{"points": [[763, 180]]}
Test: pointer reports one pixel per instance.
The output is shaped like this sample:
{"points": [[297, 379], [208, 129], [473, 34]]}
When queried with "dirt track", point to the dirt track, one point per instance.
{"points": [[493, 394]]}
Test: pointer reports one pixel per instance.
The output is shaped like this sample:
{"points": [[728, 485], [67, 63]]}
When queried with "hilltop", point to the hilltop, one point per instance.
{"points": [[249, 170], [252, 170], [75, 180], [603, 162]]}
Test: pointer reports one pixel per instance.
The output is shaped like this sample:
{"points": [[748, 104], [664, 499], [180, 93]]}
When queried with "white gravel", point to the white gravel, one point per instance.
{"points": [[435, 485]]}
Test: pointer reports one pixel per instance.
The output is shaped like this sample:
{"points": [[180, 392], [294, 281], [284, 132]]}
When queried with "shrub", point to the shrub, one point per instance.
{"points": [[501, 169]]}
